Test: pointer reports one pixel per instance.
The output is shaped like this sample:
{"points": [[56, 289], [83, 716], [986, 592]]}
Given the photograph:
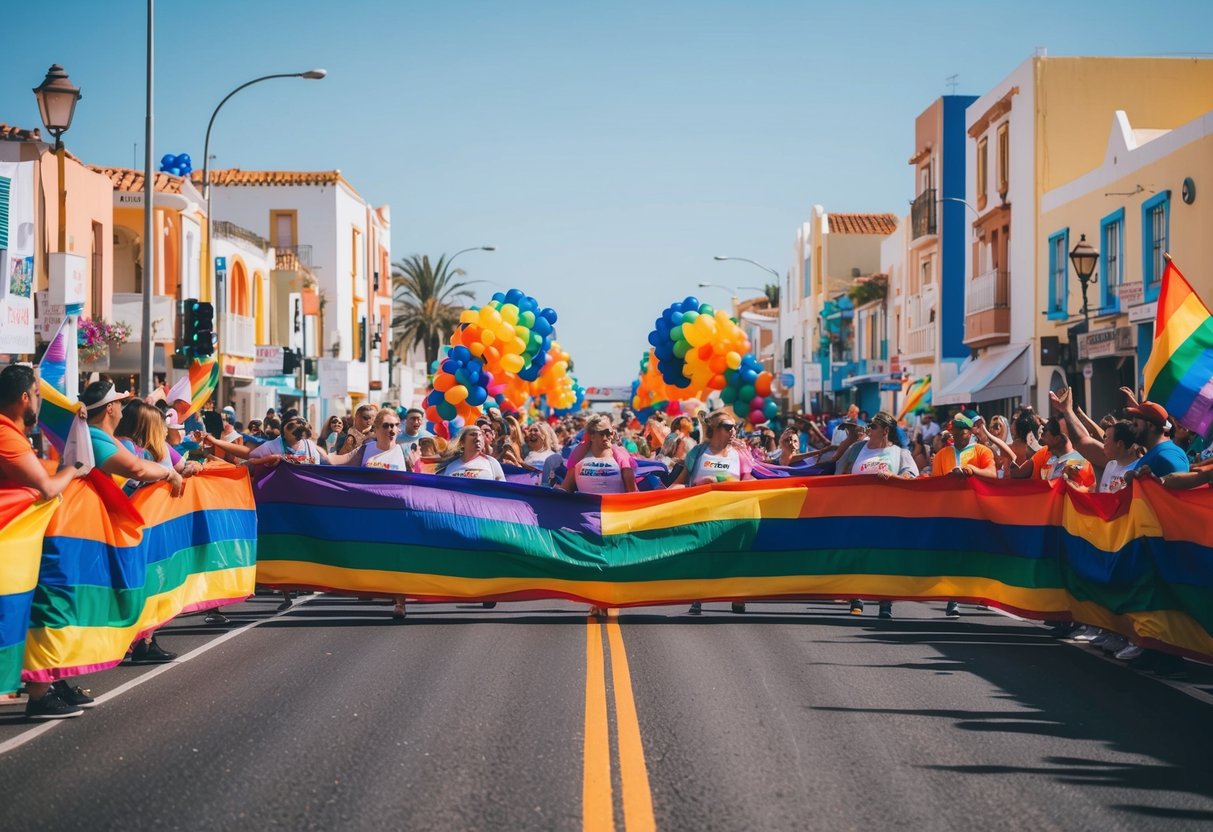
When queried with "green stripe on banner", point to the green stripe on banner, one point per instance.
{"points": [[103, 606], [10, 667], [1172, 373]]}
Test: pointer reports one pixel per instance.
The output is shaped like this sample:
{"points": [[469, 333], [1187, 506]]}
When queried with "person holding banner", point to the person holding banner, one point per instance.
{"points": [[103, 404], [382, 452]]}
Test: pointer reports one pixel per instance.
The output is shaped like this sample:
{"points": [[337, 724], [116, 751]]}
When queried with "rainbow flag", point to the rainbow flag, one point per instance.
{"points": [[64, 426], [1139, 562], [22, 521], [918, 397], [106, 579], [53, 366], [197, 386], [1179, 373]]}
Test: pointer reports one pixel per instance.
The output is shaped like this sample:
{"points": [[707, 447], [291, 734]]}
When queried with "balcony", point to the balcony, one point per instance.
{"points": [[238, 336], [922, 215], [920, 341], [987, 309], [232, 231], [292, 258]]}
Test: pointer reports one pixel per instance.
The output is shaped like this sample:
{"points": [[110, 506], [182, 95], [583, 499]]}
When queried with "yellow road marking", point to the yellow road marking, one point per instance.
{"points": [[634, 775], [597, 805]]}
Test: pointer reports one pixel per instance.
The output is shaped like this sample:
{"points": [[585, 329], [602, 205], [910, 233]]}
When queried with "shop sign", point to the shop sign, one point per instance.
{"points": [[1144, 313], [1126, 339], [1130, 294], [268, 362], [1096, 344]]}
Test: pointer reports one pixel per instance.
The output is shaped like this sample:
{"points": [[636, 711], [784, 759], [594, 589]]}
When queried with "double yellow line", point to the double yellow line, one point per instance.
{"points": [[597, 794]]}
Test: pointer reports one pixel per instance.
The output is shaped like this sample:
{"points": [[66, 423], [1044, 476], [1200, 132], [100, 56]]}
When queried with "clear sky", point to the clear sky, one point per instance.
{"points": [[609, 150]]}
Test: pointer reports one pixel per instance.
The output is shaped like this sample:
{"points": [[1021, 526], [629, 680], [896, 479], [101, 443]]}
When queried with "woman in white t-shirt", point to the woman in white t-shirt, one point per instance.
{"points": [[383, 452], [468, 458]]}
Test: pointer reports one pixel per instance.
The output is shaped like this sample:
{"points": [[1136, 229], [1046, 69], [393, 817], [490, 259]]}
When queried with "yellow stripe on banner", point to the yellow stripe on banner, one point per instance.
{"points": [[47, 648], [634, 774], [1111, 536], [597, 804], [778, 503], [1186, 320], [21, 547]]}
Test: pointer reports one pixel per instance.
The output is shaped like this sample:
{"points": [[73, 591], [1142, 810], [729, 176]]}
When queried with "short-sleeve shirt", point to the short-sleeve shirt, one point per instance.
{"points": [[305, 454], [1113, 478], [974, 454], [891, 460], [1165, 458], [728, 466], [392, 459], [13, 444], [478, 468], [104, 445], [598, 475], [1051, 467]]}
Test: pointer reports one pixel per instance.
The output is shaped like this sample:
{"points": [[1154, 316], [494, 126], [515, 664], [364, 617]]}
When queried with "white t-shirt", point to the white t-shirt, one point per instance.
{"points": [[595, 475], [392, 459], [1113, 477], [479, 468], [535, 459], [886, 460], [927, 432], [710, 468], [306, 454]]}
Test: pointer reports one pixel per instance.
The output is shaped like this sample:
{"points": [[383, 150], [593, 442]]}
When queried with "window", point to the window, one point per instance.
{"points": [[787, 353], [98, 269], [805, 281], [355, 252], [926, 272], [982, 171], [284, 228], [5, 188], [1059, 273], [1156, 240], [1004, 159], [1112, 261]]}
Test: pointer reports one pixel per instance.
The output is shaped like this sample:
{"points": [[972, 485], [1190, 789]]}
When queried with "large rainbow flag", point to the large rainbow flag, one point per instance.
{"points": [[1179, 373], [107, 578], [22, 521], [1139, 562]]}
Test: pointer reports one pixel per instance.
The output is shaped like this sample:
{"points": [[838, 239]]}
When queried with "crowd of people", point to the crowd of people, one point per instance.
{"points": [[158, 440]]}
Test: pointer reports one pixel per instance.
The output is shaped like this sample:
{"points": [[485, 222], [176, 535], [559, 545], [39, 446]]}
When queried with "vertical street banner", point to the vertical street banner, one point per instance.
{"points": [[16, 257]]}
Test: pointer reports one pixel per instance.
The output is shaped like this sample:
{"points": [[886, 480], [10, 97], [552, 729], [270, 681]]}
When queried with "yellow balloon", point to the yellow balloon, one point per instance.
{"points": [[468, 316], [456, 394], [511, 363], [476, 349], [732, 359], [509, 313], [487, 336]]}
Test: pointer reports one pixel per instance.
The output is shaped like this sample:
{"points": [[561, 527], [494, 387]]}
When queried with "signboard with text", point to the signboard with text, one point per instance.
{"points": [[1143, 314], [268, 362], [17, 258]]}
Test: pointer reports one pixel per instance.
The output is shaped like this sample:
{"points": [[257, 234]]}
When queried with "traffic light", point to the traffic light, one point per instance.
{"points": [[290, 362], [197, 333]]}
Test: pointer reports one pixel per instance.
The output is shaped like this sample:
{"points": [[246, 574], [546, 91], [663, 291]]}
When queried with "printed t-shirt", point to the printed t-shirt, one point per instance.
{"points": [[728, 466], [1165, 458], [535, 459], [598, 475], [886, 460], [479, 468], [1054, 466], [974, 454], [392, 459], [305, 454], [1113, 477]]}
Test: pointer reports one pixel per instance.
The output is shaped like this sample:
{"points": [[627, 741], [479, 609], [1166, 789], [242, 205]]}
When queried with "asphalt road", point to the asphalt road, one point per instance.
{"points": [[530, 716]]}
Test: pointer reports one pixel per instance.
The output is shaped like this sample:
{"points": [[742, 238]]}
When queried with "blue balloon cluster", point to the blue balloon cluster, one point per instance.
{"points": [[540, 324], [461, 378], [179, 165], [667, 341]]}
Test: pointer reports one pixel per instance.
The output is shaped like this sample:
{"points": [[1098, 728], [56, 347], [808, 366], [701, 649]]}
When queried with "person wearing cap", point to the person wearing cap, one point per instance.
{"points": [[965, 457], [1162, 456], [103, 404]]}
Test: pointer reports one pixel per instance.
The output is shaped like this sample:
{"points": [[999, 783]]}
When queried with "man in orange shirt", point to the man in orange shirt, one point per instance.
{"points": [[20, 466], [965, 457]]}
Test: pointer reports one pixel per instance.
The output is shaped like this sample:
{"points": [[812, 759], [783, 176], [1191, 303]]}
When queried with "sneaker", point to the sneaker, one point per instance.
{"points": [[51, 706], [598, 612], [1084, 633], [1114, 643], [738, 606], [1171, 667], [151, 653], [488, 605], [286, 604], [886, 609], [1061, 629], [215, 617], [1128, 654], [1099, 638], [856, 606], [953, 610], [73, 695], [696, 608]]}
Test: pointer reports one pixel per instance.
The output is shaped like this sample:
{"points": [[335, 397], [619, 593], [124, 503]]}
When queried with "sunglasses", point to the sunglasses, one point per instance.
{"points": [[603, 432], [727, 426], [390, 425]]}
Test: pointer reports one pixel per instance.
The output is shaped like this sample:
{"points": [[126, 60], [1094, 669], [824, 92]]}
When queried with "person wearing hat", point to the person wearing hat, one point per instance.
{"points": [[965, 457], [103, 404], [1162, 456]]}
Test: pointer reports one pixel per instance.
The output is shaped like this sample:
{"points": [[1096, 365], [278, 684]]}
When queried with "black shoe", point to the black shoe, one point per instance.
{"points": [[738, 606], [953, 610], [51, 706], [215, 617], [1170, 667], [488, 605], [73, 695], [1061, 629], [696, 608], [286, 604], [856, 606], [151, 653], [886, 609]]}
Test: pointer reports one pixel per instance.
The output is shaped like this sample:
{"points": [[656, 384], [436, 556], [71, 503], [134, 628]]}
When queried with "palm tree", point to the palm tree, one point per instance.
{"points": [[771, 290], [426, 302]]}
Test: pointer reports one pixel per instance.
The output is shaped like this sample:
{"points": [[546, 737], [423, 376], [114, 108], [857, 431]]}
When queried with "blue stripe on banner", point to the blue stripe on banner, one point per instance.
{"points": [[73, 561], [14, 617], [1189, 387]]}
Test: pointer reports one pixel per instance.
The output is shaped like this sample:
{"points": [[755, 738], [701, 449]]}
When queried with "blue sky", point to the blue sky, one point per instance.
{"points": [[609, 150]]}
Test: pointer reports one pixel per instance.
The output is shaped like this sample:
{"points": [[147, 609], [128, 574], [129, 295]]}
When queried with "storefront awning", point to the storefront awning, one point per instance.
{"points": [[872, 378], [1001, 373]]}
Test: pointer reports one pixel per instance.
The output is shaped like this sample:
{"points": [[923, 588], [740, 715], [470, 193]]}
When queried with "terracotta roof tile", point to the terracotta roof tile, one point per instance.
{"points": [[11, 133], [883, 224], [131, 181], [235, 176]]}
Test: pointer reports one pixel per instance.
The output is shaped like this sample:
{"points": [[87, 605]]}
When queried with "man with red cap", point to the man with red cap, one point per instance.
{"points": [[1162, 456]]}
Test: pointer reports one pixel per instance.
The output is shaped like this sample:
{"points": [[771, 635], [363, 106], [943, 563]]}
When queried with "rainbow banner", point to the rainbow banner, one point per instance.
{"points": [[23, 520], [1138, 562], [918, 397], [1179, 374], [107, 578]]}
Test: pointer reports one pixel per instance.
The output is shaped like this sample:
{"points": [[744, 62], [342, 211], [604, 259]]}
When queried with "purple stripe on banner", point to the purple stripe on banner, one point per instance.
{"points": [[374, 488], [767, 471], [1190, 402]]}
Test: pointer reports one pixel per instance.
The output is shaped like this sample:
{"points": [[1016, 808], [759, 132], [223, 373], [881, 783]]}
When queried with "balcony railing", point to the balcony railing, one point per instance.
{"points": [[921, 340], [922, 214], [919, 306], [292, 258], [987, 291], [239, 336], [235, 232]]}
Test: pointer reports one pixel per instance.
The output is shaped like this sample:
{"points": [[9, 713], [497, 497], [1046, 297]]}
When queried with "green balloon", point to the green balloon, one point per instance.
{"points": [[689, 317], [676, 334], [706, 309], [728, 395], [527, 319], [746, 393], [681, 348]]}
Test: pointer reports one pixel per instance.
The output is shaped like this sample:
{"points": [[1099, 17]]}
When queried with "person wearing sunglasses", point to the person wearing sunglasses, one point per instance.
{"points": [[717, 459], [294, 445], [380, 452]]}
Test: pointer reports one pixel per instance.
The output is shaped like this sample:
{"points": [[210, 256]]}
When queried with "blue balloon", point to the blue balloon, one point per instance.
{"points": [[450, 366], [476, 396], [499, 297], [691, 302], [549, 314], [461, 376], [446, 410], [514, 296], [167, 160], [461, 354]]}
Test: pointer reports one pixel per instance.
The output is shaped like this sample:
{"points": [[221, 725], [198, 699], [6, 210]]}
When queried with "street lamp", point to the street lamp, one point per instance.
{"points": [[57, 104], [311, 74], [1085, 259], [466, 250], [752, 263]]}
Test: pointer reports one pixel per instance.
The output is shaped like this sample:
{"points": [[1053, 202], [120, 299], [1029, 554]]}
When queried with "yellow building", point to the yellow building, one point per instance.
{"points": [[1140, 201]]}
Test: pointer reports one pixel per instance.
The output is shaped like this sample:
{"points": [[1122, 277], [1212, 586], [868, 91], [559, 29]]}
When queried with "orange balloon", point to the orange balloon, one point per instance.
{"points": [[762, 385], [443, 382]]}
